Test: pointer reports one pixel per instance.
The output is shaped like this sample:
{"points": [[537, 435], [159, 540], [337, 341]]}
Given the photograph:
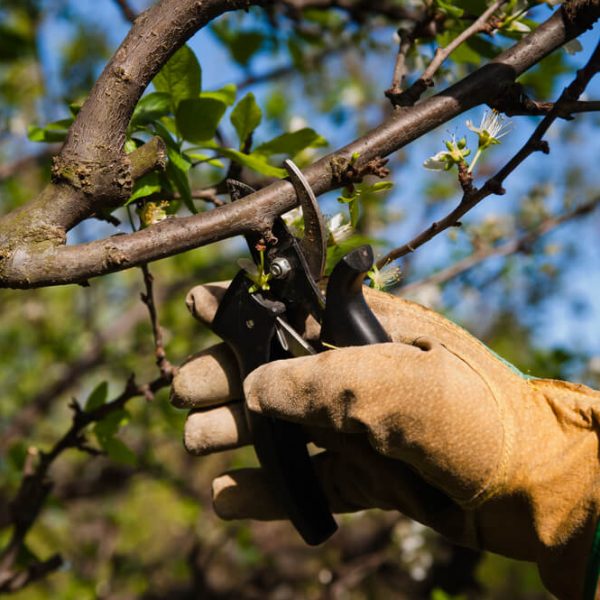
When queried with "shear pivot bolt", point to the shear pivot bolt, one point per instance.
{"points": [[280, 267]]}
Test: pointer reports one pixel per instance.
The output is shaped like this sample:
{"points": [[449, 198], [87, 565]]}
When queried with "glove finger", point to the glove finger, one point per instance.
{"points": [[418, 403], [226, 428], [208, 378], [216, 429], [352, 481], [203, 300]]}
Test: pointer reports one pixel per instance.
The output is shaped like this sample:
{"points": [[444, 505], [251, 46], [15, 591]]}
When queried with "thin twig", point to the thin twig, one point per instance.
{"points": [[515, 245], [127, 11], [35, 487], [493, 185], [165, 367], [480, 25], [406, 41], [484, 23], [208, 195]]}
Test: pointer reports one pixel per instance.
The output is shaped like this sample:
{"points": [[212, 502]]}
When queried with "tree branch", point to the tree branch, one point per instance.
{"points": [[535, 143], [44, 261], [521, 243], [415, 91], [165, 367], [35, 487], [127, 11], [407, 39], [514, 101]]}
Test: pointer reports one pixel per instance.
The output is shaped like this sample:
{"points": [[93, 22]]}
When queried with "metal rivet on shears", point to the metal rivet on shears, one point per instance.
{"points": [[280, 267], [249, 323]]}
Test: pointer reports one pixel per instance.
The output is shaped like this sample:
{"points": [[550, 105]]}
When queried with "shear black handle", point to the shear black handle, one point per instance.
{"points": [[348, 320], [247, 323]]}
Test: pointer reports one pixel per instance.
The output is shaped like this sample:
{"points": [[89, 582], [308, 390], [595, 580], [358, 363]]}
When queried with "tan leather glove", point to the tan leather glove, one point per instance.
{"points": [[433, 425]]}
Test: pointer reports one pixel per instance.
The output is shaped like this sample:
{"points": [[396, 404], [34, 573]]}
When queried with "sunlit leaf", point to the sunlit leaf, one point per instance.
{"points": [[292, 143], [226, 94], [198, 119], [177, 171], [53, 132], [254, 161], [246, 117], [150, 108], [181, 77], [145, 186]]}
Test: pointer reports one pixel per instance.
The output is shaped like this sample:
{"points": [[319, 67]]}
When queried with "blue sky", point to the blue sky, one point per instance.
{"points": [[558, 322]]}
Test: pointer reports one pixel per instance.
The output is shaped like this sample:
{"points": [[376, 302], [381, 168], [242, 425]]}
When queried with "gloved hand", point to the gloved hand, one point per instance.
{"points": [[433, 425]]}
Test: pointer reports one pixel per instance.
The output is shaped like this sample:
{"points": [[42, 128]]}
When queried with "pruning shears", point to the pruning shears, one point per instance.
{"points": [[265, 322]]}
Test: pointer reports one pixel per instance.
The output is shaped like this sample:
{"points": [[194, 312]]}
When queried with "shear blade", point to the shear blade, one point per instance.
{"points": [[314, 242], [291, 341]]}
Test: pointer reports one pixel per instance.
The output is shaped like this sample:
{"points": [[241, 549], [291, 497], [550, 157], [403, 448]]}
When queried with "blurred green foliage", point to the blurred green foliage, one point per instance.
{"points": [[136, 521]]}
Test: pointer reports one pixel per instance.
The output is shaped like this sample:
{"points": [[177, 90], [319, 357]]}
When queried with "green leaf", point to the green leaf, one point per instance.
{"points": [[111, 424], [254, 161], [75, 107], [118, 451], [292, 143], [177, 169], [198, 157], [105, 432], [484, 48], [449, 9], [17, 455], [181, 77], [130, 146], [14, 44], [246, 117], [198, 119], [98, 397], [354, 207], [226, 94], [53, 132], [296, 53], [165, 134], [145, 186], [151, 108], [245, 45], [382, 186]]}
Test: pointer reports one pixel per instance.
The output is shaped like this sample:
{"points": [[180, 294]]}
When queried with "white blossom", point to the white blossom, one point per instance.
{"points": [[384, 278], [339, 230], [493, 126], [455, 153]]}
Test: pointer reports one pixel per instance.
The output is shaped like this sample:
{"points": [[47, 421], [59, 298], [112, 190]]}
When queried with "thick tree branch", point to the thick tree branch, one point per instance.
{"points": [[46, 263], [92, 173], [472, 196]]}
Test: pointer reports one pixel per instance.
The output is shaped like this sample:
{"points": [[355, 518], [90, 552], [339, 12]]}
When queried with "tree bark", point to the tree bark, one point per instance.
{"points": [[92, 173]]}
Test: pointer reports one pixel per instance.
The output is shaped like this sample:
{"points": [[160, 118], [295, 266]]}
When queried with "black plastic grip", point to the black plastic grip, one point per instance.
{"points": [[247, 323], [348, 320]]}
